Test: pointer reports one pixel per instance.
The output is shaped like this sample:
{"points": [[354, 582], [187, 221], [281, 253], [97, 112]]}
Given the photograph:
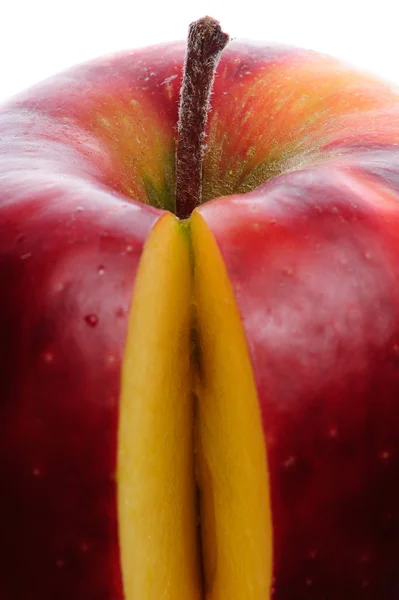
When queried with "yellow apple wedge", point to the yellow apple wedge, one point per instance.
{"points": [[231, 456], [156, 487]]}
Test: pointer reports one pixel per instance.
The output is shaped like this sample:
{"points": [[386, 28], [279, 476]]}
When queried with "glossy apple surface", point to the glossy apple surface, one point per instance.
{"points": [[322, 325], [302, 166], [311, 256], [70, 249]]}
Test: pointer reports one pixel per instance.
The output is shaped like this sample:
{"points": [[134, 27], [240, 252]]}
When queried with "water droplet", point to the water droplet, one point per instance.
{"points": [[84, 546], [384, 455], [48, 357], [111, 359], [101, 270], [36, 472], [333, 432], [79, 208], [26, 255], [289, 462], [91, 320], [129, 248]]}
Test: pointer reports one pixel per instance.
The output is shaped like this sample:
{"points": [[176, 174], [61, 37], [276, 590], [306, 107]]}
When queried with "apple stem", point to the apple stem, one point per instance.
{"points": [[205, 44]]}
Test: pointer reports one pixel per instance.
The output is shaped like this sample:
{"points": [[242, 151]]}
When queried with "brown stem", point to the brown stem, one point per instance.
{"points": [[205, 44]]}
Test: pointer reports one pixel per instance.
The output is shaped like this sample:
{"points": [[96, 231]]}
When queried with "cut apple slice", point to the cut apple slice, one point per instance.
{"points": [[231, 454], [156, 487]]}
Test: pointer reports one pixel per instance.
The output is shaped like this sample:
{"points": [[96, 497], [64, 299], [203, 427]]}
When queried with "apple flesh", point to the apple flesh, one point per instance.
{"points": [[290, 282], [156, 485], [232, 471]]}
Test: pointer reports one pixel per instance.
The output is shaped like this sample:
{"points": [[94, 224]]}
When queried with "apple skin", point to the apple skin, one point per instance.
{"points": [[67, 289], [69, 250], [78, 154], [312, 258], [277, 109], [311, 255]]}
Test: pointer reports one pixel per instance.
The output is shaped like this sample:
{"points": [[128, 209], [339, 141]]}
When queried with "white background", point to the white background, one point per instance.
{"points": [[41, 37]]}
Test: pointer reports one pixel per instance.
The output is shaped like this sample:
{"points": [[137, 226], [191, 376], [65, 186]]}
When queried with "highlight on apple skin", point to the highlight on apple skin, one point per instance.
{"points": [[208, 407]]}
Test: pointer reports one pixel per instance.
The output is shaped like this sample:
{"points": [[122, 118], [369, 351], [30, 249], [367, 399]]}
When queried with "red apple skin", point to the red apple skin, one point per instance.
{"points": [[69, 249], [312, 256], [277, 109], [313, 260], [67, 279]]}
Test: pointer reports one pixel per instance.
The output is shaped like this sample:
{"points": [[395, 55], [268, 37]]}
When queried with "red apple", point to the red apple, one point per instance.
{"points": [[266, 326]]}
